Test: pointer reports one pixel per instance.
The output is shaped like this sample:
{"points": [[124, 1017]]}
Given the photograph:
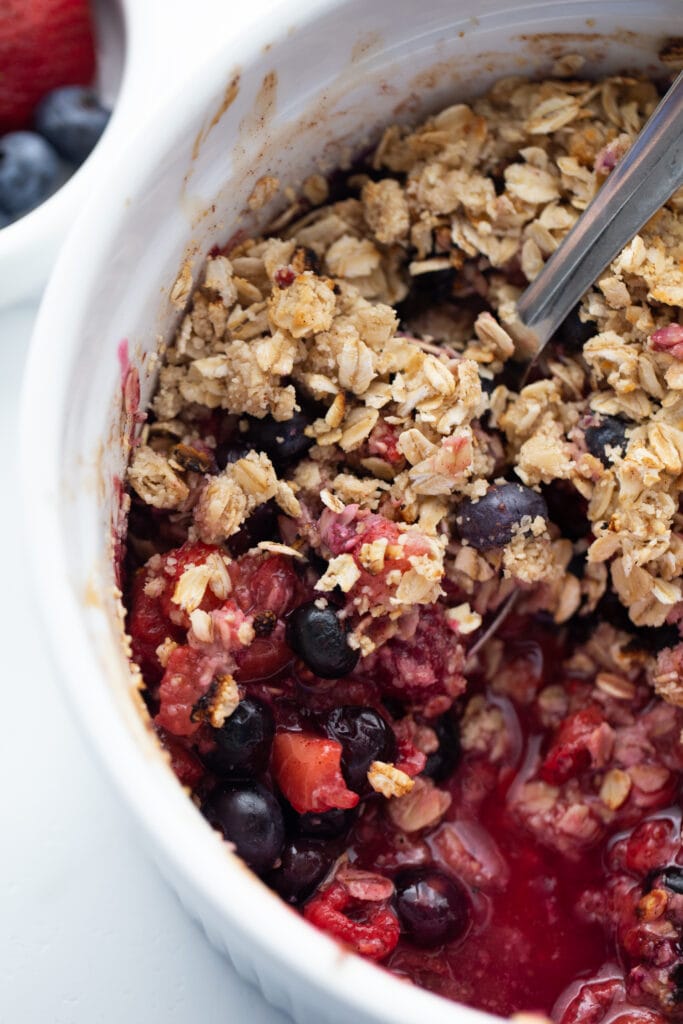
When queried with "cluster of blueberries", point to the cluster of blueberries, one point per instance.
{"points": [[68, 123], [431, 907]]}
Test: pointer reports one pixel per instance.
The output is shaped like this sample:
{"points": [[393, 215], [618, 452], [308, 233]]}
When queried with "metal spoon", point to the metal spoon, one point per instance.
{"points": [[639, 185]]}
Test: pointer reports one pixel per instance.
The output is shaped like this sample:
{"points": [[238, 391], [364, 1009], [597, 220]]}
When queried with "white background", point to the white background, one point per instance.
{"points": [[89, 934]]}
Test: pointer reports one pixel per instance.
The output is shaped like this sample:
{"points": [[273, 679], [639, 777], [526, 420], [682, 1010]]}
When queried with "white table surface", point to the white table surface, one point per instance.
{"points": [[89, 933]]}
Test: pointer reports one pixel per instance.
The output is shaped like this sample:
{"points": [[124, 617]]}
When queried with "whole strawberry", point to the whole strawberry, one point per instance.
{"points": [[43, 44]]}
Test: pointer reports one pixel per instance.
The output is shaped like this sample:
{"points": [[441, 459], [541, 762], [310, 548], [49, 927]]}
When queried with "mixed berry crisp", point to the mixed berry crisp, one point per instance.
{"points": [[408, 634]]}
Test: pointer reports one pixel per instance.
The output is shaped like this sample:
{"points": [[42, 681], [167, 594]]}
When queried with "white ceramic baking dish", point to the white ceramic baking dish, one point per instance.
{"points": [[302, 90]]}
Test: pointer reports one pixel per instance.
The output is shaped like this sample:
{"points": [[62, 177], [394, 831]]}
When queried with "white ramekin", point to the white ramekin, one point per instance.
{"points": [[302, 89]]}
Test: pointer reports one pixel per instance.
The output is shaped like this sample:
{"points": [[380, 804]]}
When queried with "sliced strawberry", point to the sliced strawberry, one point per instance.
{"points": [[307, 770], [43, 44]]}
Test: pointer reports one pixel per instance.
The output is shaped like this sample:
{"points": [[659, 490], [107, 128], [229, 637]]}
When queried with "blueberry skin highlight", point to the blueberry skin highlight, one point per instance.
{"points": [[244, 740], [318, 637], [365, 737], [305, 862], [251, 818], [432, 908]]}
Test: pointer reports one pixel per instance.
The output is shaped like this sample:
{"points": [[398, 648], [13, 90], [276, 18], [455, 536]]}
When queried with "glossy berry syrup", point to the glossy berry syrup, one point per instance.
{"points": [[526, 943]]}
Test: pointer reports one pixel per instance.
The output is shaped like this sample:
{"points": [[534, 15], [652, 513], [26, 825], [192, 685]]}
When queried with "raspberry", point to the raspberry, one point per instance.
{"points": [[265, 585], [428, 665], [375, 937]]}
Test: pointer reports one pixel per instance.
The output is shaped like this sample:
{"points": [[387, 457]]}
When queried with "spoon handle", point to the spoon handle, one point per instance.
{"points": [[638, 186]]}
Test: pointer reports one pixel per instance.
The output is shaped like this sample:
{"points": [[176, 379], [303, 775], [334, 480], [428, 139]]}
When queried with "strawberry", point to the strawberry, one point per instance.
{"points": [[43, 44], [308, 771]]}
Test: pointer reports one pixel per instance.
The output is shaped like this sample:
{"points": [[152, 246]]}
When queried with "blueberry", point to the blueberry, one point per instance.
{"points": [[365, 737], [283, 442], [243, 742], [262, 524], [318, 637], [29, 171], [327, 825], [610, 609], [443, 761], [673, 879], [573, 333], [490, 521], [231, 451], [251, 818], [577, 565], [676, 976], [567, 509], [431, 907], [653, 638], [72, 119], [609, 433], [305, 862]]}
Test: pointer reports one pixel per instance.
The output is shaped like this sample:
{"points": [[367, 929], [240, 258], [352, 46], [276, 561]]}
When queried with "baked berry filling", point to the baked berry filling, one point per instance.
{"points": [[409, 635], [530, 828]]}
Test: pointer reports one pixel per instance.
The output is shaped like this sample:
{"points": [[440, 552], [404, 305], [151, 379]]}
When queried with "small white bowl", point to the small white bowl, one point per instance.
{"points": [[302, 88], [29, 246]]}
